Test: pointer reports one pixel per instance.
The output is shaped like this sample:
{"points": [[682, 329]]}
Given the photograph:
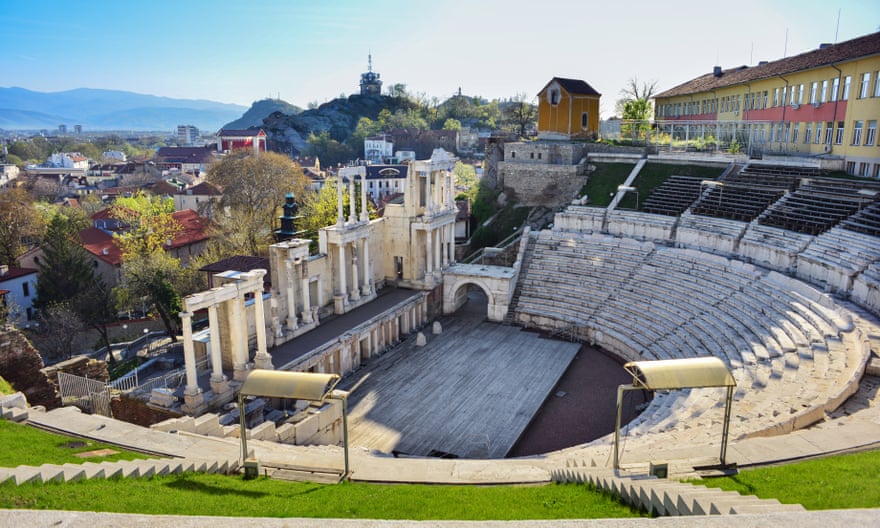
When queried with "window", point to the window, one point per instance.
{"points": [[824, 91], [829, 127], [553, 96], [851, 167], [835, 84], [838, 137], [794, 132], [539, 155], [531, 155], [863, 169], [784, 93], [814, 88], [818, 133], [787, 127], [764, 105], [585, 120], [870, 133], [877, 85], [512, 154], [800, 98], [857, 132], [26, 289], [846, 82], [866, 83], [876, 173], [776, 97], [808, 133]]}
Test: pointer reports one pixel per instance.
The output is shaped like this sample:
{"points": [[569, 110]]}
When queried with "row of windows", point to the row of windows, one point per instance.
{"points": [[864, 133], [827, 90], [863, 169]]}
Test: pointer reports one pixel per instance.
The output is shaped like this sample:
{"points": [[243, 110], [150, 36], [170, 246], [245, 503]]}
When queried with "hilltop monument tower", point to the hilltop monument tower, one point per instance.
{"points": [[370, 82]]}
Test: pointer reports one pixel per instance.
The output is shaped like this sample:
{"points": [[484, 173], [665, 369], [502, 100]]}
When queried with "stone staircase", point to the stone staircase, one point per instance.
{"points": [[668, 497], [524, 267], [120, 469]]}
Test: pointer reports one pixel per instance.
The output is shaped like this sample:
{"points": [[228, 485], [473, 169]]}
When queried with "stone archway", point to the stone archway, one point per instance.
{"points": [[495, 281]]}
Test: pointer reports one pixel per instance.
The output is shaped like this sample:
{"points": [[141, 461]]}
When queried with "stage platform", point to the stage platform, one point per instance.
{"points": [[469, 392]]}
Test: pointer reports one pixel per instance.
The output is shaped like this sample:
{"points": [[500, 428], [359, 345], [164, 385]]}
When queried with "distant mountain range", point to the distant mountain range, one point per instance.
{"points": [[95, 109]]}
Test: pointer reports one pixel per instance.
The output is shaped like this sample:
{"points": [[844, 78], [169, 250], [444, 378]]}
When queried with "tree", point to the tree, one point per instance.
{"points": [[466, 179], [328, 150], [65, 269], [148, 271], [59, 327], [636, 91], [20, 224], [520, 113], [319, 208], [452, 124], [254, 189]]}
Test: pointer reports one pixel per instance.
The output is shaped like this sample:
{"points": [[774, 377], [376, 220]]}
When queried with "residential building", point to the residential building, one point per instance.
{"points": [[823, 103], [568, 109], [99, 241], [187, 134], [385, 180], [378, 149], [194, 160], [197, 198], [68, 160], [251, 139], [8, 173], [18, 287]]}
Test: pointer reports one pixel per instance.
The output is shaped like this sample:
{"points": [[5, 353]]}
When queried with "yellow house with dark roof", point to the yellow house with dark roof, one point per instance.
{"points": [[823, 103], [568, 109]]}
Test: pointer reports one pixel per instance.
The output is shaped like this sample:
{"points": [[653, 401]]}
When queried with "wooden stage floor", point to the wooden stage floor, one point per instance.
{"points": [[470, 392]]}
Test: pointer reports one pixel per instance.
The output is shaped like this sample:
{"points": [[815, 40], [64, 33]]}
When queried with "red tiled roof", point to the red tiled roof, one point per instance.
{"points": [[14, 273], [102, 245], [835, 53], [572, 86], [203, 189], [241, 133]]}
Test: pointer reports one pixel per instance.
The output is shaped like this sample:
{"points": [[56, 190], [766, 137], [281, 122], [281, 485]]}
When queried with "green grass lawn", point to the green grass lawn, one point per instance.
{"points": [[653, 175], [603, 182], [844, 481], [24, 445], [5, 387], [198, 494]]}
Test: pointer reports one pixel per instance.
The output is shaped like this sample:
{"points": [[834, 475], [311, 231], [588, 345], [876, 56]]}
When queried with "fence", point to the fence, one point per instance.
{"points": [[90, 395]]}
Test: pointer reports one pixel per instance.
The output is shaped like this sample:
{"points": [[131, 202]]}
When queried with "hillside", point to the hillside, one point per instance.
{"points": [[260, 110], [97, 109]]}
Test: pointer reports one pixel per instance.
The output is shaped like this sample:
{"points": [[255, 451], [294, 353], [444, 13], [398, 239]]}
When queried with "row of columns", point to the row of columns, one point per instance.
{"points": [[361, 344], [440, 194], [437, 246], [351, 173], [359, 274], [233, 295], [290, 265]]}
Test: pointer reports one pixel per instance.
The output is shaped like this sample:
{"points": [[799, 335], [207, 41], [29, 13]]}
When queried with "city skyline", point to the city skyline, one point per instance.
{"points": [[305, 52]]}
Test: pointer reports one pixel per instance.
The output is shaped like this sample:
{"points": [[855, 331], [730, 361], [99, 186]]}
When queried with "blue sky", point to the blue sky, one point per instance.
{"points": [[304, 51]]}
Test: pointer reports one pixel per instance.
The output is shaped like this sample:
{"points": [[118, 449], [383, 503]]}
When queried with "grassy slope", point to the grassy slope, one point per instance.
{"points": [[24, 445], [603, 182], [197, 494], [5, 387], [845, 481]]}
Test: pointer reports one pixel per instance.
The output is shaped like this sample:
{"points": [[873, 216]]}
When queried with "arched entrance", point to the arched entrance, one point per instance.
{"points": [[471, 299], [495, 282]]}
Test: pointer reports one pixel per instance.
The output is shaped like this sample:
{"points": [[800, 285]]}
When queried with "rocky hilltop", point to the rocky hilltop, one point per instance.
{"points": [[339, 117], [259, 110]]}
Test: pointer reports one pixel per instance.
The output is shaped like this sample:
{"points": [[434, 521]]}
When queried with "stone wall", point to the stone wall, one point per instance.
{"points": [[21, 364], [135, 411], [545, 152], [545, 185]]}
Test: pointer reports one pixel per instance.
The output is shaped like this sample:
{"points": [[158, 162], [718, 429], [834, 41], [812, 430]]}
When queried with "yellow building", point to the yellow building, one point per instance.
{"points": [[822, 103], [568, 109]]}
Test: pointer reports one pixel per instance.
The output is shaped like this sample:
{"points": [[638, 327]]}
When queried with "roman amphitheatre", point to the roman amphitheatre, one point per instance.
{"points": [[771, 267]]}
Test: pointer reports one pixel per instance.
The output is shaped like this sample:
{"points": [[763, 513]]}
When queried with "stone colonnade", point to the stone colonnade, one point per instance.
{"points": [[230, 298], [292, 300], [349, 239], [346, 353]]}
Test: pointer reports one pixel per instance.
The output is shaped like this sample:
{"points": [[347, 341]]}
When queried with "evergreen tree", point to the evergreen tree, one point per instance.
{"points": [[65, 270]]}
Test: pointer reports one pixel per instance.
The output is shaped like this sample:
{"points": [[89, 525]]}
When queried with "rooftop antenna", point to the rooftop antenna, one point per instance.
{"points": [[837, 29], [370, 61], [785, 48]]}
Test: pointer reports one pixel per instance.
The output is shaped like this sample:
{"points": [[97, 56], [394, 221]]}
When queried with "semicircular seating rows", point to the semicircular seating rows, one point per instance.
{"points": [[795, 352]]}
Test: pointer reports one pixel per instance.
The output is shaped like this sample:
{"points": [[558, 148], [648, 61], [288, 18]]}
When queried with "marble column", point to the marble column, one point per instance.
{"points": [[262, 359], [238, 336], [355, 290], [307, 302], [218, 379], [365, 215], [428, 195], [291, 295], [429, 247], [189, 355], [365, 265], [343, 280], [444, 259], [352, 203], [437, 262], [340, 218]]}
